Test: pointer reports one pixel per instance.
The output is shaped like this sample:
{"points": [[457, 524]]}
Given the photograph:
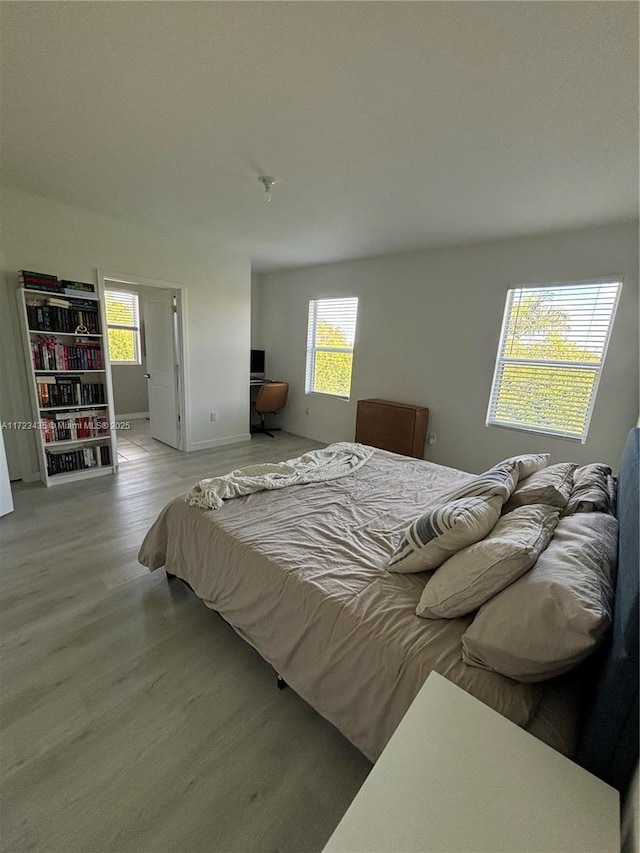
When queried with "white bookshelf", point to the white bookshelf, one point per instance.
{"points": [[69, 384]]}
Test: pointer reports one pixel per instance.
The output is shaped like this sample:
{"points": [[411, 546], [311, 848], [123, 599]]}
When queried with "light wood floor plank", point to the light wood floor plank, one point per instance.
{"points": [[133, 718]]}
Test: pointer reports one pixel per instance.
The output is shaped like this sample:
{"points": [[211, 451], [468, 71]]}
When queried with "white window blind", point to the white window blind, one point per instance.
{"points": [[331, 335], [552, 348], [123, 326]]}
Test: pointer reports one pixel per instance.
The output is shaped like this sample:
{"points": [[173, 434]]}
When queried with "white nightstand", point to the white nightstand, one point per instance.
{"points": [[456, 776]]}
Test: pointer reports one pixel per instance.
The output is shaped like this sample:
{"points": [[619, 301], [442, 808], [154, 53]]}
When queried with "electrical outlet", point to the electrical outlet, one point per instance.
{"points": [[431, 438], [306, 411], [213, 417]]}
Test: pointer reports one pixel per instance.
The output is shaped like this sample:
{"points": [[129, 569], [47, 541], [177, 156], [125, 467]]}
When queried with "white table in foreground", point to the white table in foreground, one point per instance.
{"points": [[456, 776]]}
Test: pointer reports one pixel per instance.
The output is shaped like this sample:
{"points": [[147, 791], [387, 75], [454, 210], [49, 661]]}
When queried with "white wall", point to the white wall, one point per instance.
{"points": [[130, 392], [428, 328], [10, 396], [41, 235], [256, 311]]}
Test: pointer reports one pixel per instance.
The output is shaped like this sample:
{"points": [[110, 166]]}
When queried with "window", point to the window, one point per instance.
{"points": [[123, 326], [552, 348], [330, 337]]}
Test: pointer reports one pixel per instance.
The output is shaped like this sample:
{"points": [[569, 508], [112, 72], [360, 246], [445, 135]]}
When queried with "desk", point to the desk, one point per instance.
{"points": [[458, 776]]}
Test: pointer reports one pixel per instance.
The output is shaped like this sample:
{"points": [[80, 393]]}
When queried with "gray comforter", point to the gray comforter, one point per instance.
{"points": [[301, 575]]}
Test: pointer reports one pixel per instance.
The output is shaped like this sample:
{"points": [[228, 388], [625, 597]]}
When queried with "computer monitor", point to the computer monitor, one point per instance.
{"points": [[257, 363]]}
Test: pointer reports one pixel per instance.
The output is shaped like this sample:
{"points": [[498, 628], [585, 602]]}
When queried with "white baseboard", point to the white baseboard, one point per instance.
{"points": [[219, 442], [135, 416]]}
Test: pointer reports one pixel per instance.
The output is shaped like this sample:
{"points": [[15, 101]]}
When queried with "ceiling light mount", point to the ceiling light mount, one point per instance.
{"points": [[268, 183]]}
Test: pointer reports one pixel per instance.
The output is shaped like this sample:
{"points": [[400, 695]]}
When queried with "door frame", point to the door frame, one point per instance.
{"points": [[181, 344]]}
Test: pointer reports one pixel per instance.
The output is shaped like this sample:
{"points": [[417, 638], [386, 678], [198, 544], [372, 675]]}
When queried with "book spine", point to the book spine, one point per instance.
{"points": [[49, 288], [78, 286], [32, 274]]}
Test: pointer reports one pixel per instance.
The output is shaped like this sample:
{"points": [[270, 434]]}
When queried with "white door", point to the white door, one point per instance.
{"points": [[160, 325]]}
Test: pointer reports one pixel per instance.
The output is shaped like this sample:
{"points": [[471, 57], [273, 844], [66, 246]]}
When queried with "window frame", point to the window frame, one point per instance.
{"points": [[125, 327], [312, 348], [596, 367]]}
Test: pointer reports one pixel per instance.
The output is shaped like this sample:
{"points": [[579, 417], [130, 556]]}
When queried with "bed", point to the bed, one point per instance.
{"points": [[301, 574]]}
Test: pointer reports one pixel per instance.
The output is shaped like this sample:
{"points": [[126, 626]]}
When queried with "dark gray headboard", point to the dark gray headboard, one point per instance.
{"points": [[609, 742]]}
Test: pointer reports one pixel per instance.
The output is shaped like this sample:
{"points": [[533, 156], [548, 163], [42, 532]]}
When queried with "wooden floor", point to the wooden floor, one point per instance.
{"points": [[134, 718]]}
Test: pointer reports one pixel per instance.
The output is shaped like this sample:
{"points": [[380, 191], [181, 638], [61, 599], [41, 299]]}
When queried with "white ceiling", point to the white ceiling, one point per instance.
{"points": [[389, 126]]}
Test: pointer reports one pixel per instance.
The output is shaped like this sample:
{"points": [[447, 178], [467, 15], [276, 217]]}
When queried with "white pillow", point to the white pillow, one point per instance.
{"points": [[472, 576], [557, 614], [442, 531], [528, 463]]}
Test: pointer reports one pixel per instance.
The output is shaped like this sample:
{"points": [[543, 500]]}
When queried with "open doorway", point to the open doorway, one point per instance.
{"points": [[147, 368]]}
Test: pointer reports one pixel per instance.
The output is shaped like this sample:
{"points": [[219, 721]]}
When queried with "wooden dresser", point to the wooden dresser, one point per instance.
{"points": [[392, 426]]}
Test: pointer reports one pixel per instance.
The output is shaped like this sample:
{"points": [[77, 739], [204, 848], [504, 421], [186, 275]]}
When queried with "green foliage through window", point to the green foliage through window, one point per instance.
{"points": [[550, 357], [332, 374], [122, 345], [330, 340], [123, 326]]}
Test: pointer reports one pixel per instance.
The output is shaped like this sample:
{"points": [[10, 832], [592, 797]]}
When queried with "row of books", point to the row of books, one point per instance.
{"points": [[54, 391], [44, 281], [82, 355], [63, 316], [67, 426], [63, 462]]}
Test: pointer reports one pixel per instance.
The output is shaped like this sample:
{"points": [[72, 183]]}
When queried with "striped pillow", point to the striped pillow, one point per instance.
{"points": [[469, 513], [499, 481], [436, 535]]}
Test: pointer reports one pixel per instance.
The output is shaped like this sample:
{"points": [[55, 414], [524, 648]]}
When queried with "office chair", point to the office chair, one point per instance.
{"points": [[272, 397]]}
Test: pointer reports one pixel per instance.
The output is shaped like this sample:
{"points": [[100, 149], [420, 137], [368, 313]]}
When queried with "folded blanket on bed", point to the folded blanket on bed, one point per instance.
{"points": [[331, 462]]}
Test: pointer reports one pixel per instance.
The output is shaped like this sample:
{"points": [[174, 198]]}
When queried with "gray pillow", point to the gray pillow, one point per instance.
{"points": [[558, 613], [472, 576], [593, 490], [551, 486]]}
